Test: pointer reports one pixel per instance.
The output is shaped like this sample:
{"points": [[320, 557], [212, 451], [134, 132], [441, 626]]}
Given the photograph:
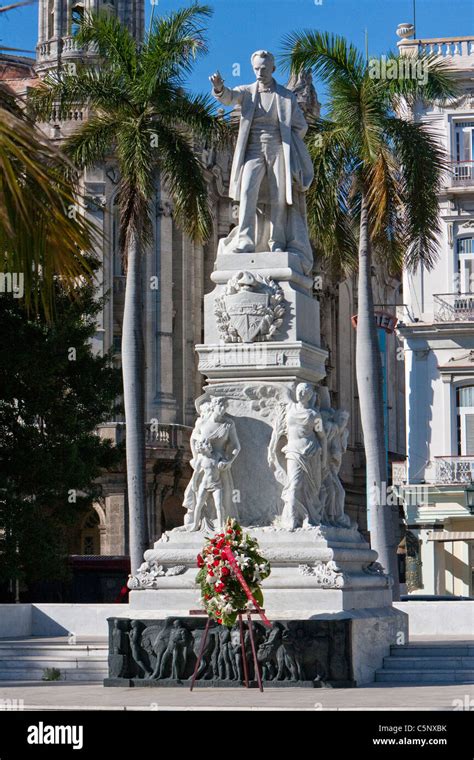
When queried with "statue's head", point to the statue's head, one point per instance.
{"points": [[305, 393], [204, 409], [217, 407], [263, 64]]}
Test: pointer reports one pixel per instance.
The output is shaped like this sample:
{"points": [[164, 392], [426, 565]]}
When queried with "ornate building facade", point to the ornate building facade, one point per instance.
{"points": [[437, 327]]}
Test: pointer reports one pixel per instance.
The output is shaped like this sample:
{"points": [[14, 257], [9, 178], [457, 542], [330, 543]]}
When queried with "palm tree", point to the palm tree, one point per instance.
{"points": [[41, 235], [377, 178], [141, 113]]}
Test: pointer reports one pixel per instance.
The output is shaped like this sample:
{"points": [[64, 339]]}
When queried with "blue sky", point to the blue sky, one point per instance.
{"points": [[240, 26]]}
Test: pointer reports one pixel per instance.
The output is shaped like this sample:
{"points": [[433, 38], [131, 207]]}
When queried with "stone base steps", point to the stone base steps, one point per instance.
{"points": [[27, 660], [428, 663]]}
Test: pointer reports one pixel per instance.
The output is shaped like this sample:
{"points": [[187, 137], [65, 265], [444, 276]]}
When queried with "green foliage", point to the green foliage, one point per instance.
{"points": [[51, 674], [41, 235], [54, 392]]}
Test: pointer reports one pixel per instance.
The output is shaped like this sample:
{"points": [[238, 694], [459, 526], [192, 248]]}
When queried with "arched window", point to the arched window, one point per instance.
{"points": [[465, 419], [77, 14], [465, 256]]}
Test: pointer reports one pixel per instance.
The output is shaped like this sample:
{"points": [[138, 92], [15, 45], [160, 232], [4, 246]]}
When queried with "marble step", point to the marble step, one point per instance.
{"points": [[73, 653], [89, 663], [424, 676], [427, 650], [428, 663], [27, 659], [34, 673]]}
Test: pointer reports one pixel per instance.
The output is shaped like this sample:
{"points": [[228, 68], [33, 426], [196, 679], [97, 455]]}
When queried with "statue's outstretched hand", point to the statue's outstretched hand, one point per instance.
{"points": [[217, 82]]}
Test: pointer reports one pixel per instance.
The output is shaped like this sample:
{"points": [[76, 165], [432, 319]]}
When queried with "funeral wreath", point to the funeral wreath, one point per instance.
{"points": [[224, 558]]}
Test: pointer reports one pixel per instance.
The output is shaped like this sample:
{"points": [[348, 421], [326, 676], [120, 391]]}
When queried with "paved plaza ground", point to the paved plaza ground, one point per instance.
{"points": [[82, 696], [58, 695]]}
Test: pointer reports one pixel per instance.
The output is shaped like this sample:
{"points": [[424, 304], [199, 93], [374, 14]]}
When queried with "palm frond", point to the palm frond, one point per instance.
{"points": [[329, 56], [113, 42], [172, 47], [93, 141], [43, 232], [423, 163], [197, 113], [328, 201], [425, 77], [183, 174], [61, 90]]}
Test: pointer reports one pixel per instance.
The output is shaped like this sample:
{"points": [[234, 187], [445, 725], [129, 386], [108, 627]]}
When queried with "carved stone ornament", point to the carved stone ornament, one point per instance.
{"points": [[149, 572], [375, 568], [251, 309], [292, 652], [328, 574]]}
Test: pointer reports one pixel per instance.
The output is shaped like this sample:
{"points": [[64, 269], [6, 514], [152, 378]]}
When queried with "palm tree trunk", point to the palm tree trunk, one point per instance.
{"points": [[134, 403], [369, 384]]}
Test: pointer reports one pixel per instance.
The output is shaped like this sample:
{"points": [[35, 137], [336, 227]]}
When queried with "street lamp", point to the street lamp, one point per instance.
{"points": [[469, 497]]}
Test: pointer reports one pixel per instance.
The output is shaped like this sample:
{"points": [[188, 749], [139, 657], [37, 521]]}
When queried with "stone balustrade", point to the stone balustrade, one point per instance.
{"points": [[157, 435], [447, 47], [459, 50], [43, 50]]}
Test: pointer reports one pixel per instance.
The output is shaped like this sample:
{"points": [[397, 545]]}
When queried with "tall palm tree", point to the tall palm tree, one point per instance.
{"points": [[377, 179], [141, 113]]}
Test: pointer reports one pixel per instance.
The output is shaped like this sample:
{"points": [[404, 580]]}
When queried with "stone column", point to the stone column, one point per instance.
{"points": [[115, 513], [160, 371], [57, 19]]}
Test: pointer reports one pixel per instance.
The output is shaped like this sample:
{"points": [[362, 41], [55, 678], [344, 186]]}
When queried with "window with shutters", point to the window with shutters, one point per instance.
{"points": [[465, 260], [465, 408]]}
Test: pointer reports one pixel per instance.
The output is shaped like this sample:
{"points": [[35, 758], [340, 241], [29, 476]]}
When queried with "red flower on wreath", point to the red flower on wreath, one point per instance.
{"points": [[200, 561]]}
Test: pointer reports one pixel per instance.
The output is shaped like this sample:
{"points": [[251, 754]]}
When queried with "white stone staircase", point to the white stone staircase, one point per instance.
{"points": [[429, 662], [27, 659]]}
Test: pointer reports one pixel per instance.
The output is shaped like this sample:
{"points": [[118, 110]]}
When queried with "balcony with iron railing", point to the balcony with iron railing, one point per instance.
{"points": [[453, 307], [442, 470], [461, 173], [454, 470]]}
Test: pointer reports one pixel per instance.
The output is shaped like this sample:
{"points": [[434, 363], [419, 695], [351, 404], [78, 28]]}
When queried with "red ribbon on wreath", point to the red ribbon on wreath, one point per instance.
{"points": [[226, 551]]}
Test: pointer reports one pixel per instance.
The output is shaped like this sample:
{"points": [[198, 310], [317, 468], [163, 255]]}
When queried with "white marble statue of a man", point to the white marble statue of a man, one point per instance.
{"points": [[271, 164]]}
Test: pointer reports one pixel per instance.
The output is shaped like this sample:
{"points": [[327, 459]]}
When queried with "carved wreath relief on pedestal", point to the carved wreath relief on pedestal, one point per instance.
{"points": [[251, 309]]}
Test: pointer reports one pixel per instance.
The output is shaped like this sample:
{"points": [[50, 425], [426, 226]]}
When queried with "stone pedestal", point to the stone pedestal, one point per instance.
{"points": [[261, 341]]}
